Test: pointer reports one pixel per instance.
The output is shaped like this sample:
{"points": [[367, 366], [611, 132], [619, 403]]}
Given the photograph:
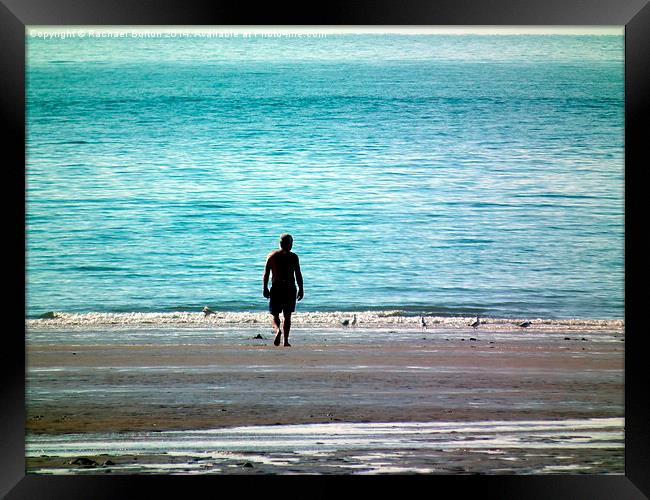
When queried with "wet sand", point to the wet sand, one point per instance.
{"points": [[227, 378]]}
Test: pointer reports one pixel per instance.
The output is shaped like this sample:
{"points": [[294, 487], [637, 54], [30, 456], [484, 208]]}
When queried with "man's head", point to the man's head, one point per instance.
{"points": [[286, 242]]}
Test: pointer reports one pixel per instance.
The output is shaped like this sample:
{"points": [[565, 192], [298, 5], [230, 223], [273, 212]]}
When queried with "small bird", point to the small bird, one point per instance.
{"points": [[354, 320], [525, 324], [476, 323], [207, 311], [346, 322], [423, 323]]}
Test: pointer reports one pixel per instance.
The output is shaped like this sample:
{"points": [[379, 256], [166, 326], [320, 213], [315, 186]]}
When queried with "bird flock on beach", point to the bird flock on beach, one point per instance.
{"points": [[478, 322], [423, 324]]}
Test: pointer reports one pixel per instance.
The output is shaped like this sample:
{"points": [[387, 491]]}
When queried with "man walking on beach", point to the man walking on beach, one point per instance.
{"points": [[283, 264]]}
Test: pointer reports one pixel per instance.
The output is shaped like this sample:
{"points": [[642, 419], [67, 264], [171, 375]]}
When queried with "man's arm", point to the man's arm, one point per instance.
{"points": [[267, 273], [301, 292]]}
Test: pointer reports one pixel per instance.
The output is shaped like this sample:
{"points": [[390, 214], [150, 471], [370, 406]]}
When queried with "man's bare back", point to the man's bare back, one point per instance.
{"points": [[283, 267]]}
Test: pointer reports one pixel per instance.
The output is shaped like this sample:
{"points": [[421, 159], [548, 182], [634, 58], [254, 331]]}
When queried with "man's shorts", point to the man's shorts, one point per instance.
{"points": [[283, 298]]}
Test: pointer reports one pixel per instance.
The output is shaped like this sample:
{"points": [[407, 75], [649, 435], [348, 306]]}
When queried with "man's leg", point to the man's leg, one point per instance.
{"points": [[276, 328], [287, 327]]}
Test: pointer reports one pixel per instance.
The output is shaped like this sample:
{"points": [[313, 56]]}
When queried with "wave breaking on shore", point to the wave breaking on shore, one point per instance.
{"points": [[364, 319]]}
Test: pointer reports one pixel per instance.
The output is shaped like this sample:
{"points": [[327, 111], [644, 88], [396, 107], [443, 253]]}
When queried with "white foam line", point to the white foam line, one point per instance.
{"points": [[366, 319]]}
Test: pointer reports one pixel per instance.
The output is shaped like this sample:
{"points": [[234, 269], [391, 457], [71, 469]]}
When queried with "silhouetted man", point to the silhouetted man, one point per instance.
{"points": [[283, 265]]}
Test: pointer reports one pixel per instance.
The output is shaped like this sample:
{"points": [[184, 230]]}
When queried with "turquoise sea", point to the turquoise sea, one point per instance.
{"points": [[445, 174]]}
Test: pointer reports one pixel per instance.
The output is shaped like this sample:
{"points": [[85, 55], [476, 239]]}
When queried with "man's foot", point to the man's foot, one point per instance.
{"points": [[287, 344], [277, 339]]}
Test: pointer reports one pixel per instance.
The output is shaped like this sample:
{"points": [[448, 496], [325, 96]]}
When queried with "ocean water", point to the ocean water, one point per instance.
{"points": [[442, 174]]}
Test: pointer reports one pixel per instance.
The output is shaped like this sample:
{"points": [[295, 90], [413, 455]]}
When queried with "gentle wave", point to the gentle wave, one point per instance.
{"points": [[365, 319]]}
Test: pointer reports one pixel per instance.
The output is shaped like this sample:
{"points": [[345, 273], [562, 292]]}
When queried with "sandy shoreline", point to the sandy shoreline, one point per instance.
{"points": [[99, 382]]}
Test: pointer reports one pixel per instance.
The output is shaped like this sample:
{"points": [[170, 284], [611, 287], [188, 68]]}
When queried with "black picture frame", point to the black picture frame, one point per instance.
{"points": [[15, 15]]}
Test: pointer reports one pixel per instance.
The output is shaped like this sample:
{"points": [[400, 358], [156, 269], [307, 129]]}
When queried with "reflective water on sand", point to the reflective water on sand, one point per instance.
{"points": [[524, 447]]}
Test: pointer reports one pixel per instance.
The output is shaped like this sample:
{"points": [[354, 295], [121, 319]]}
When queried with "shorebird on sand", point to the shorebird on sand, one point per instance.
{"points": [[207, 311], [346, 322], [525, 324], [476, 323]]}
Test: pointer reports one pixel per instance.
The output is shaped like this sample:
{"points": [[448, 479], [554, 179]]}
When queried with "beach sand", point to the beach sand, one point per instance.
{"points": [[126, 385]]}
